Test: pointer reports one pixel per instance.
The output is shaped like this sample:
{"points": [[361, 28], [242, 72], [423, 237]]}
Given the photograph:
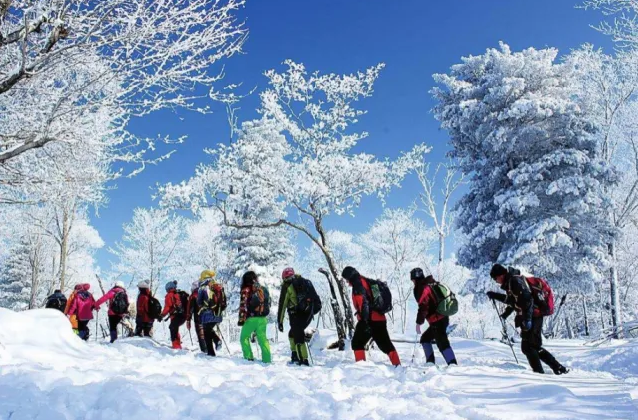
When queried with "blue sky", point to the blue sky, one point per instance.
{"points": [[414, 38]]}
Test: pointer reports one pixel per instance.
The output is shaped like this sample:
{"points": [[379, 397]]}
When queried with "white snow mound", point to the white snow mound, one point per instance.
{"points": [[46, 372]]}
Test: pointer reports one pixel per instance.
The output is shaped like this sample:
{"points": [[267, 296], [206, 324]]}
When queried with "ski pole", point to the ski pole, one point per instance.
{"points": [[191, 337], [416, 341], [219, 330], [505, 335]]}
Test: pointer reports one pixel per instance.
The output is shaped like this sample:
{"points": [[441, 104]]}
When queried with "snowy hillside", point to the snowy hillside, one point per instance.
{"points": [[48, 373]]}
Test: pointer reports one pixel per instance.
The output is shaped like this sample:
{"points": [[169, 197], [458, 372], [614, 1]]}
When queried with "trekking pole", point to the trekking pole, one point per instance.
{"points": [[191, 337], [219, 330], [505, 335], [416, 341], [97, 317]]}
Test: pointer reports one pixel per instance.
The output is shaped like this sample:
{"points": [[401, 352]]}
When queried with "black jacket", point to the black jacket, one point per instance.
{"points": [[518, 296]]}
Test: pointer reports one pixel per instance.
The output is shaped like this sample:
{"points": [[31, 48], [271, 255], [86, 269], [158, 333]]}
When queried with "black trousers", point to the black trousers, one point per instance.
{"points": [[176, 322], [143, 329], [83, 330], [114, 320], [532, 348], [377, 330], [437, 331], [210, 337], [298, 325], [201, 337]]}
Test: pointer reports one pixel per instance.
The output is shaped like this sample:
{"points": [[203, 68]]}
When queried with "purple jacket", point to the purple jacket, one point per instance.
{"points": [[83, 306]]}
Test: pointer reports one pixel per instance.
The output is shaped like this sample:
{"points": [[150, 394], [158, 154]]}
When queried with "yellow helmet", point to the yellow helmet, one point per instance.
{"points": [[207, 274]]}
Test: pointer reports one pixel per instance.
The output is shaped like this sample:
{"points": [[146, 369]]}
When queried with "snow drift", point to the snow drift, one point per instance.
{"points": [[47, 372]]}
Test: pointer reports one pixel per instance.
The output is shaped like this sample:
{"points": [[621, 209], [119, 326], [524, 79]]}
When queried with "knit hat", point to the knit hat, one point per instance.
{"points": [[171, 285], [144, 284], [416, 273], [119, 284], [349, 273], [288, 272], [497, 270]]}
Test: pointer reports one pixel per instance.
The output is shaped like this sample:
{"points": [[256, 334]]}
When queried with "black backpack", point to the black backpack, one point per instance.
{"points": [[259, 304], [183, 298], [381, 299], [120, 303], [154, 307], [308, 300], [56, 301]]}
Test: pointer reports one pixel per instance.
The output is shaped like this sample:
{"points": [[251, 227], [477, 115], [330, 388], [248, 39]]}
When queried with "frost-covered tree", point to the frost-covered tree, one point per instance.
{"points": [[315, 175], [150, 247], [606, 91], [153, 54], [624, 27], [538, 178]]}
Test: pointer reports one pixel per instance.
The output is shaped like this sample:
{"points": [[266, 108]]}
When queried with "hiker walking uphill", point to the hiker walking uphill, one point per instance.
{"points": [[56, 301], [372, 322], [254, 307], [175, 305], [82, 308], [192, 313], [118, 306], [428, 296], [211, 300], [72, 317], [148, 309], [531, 304], [298, 297]]}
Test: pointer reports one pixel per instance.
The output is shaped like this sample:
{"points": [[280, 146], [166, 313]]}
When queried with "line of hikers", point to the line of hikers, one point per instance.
{"points": [[529, 297]]}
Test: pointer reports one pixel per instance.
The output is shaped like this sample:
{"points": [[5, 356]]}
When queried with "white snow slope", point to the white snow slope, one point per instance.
{"points": [[46, 372]]}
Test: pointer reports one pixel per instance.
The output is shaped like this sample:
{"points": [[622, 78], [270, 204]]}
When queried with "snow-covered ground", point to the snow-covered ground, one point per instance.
{"points": [[46, 372]]}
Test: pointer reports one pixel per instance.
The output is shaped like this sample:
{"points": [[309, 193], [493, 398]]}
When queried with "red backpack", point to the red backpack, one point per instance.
{"points": [[543, 296]]}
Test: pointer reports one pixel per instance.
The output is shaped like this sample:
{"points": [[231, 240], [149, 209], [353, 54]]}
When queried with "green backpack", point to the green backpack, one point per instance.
{"points": [[446, 302]]}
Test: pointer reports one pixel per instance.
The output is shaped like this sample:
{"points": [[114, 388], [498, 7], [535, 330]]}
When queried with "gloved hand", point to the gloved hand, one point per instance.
{"points": [[188, 325], [240, 323], [281, 327], [526, 325], [418, 329], [160, 319], [492, 295]]}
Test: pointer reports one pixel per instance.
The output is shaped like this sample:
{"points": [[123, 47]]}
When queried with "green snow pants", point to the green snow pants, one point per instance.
{"points": [[256, 324]]}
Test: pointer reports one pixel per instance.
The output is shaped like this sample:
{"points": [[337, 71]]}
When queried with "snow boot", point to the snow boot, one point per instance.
{"points": [[113, 335], [177, 345], [218, 345], [304, 362], [294, 359], [394, 358], [562, 370], [551, 361], [359, 355]]}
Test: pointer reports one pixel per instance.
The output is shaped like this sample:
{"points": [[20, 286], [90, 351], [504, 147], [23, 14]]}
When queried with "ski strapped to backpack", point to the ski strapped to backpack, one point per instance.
{"points": [[308, 301], [543, 296], [119, 305], [445, 300], [259, 304], [381, 301]]}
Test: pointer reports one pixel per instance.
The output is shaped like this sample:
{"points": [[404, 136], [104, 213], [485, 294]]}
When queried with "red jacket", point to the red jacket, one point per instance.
{"points": [[142, 306], [172, 303], [361, 299], [427, 307]]}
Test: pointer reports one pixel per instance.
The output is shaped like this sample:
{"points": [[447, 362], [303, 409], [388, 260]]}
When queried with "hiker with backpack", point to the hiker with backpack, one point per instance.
{"points": [[192, 313], [300, 299], [56, 301], [211, 301], [175, 304], [118, 306], [254, 307], [82, 308], [370, 310], [146, 310], [435, 302], [532, 299], [67, 309]]}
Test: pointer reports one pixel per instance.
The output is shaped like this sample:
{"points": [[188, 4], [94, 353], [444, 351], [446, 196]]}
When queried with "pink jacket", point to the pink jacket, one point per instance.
{"points": [[109, 296], [83, 305]]}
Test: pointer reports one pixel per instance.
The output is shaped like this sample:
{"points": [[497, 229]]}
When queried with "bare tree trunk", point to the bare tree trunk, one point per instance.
{"points": [[441, 246], [568, 326], [338, 318], [585, 316], [34, 262], [616, 316], [64, 245]]}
